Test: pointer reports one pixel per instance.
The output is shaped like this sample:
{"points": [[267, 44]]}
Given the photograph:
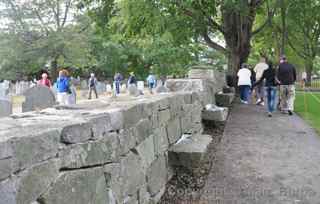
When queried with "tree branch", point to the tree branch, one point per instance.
{"points": [[300, 54], [67, 7], [267, 21], [212, 44]]}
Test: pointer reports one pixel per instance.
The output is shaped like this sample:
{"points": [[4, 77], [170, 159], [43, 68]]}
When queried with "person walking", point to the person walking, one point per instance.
{"points": [[287, 77], [63, 87], [117, 81], [151, 81], [259, 90], [92, 86], [244, 83], [44, 81], [270, 87], [132, 79]]}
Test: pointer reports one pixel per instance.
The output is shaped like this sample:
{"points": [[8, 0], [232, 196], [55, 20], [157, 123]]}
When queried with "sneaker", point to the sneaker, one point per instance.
{"points": [[245, 102], [269, 114], [262, 103], [258, 101], [290, 112]]}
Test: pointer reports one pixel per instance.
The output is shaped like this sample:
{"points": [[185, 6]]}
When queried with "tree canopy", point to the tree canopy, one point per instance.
{"points": [[161, 36]]}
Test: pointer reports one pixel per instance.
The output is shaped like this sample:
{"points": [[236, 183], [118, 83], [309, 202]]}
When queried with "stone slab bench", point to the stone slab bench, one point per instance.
{"points": [[215, 113], [224, 99], [190, 151]]}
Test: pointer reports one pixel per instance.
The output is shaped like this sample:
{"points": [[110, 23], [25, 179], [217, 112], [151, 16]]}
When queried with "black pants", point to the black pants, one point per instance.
{"points": [[94, 90]]}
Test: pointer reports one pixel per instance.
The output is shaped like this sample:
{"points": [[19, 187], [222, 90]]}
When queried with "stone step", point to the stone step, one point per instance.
{"points": [[190, 151], [215, 113], [224, 99]]}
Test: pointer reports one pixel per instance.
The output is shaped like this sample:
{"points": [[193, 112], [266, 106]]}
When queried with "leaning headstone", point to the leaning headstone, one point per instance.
{"points": [[101, 87], [5, 108], [84, 85], [162, 89], [133, 90], [37, 98]]}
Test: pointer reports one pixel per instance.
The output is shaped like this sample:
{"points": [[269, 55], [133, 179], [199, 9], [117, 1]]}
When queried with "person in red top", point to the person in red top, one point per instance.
{"points": [[44, 81]]}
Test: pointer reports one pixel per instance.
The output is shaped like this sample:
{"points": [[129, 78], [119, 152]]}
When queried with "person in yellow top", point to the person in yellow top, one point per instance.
{"points": [[259, 89]]}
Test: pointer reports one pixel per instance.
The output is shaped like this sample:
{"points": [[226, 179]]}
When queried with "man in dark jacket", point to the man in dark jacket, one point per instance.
{"points": [[287, 77]]}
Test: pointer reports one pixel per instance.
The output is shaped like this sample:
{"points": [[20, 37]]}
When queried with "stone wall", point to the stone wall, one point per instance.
{"points": [[97, 152]]}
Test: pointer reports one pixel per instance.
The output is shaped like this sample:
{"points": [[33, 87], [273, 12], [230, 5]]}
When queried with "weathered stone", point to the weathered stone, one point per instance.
{"points": [[156, 199], [101, 126], [144, 196], [33, 182], [114, 185], [6, 161], [215, 113], [189, 152], [163, 104], [133, 90], [164, 116], [34, 149], [116, 119], [174, 130], [133, 115], [144, 128], [161, 142], [201, 74], [5, 150], [157, 175], [91, 153], [6, 168], [78, 187], [5, 108], [186, 124], [146, 151], [132, 178], [126, 178], [8, 191], [37, 98], [224, 99], [162, 89], [76, 133], [127, 140], [227, 89]]}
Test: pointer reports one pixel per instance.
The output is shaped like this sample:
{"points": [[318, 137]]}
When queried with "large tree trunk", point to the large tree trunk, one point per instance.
{"points": [[54, 69], [284, 27], [238, 32]]}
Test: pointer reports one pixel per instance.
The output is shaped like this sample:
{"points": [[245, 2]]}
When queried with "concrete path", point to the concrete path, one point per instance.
{"points": [[263, 160]]}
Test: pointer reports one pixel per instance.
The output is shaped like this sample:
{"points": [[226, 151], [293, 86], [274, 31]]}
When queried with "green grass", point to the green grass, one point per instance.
{"points": [[307, 105]]}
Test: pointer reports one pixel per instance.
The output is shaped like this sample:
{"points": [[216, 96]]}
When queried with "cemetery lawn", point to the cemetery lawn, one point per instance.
{"points": [[307, 105]]}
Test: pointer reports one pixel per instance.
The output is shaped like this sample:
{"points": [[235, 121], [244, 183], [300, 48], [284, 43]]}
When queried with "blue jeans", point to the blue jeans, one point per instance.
{"points": [[271, 97], [244, 92], [117, 83]]}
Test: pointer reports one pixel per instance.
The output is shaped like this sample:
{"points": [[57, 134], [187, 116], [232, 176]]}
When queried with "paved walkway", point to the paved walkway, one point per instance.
{"points": [[263, 160]]}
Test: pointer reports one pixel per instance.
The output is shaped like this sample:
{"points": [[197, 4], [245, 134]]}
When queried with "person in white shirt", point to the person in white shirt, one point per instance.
{"points": [[259, 89], [244, 83]]}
